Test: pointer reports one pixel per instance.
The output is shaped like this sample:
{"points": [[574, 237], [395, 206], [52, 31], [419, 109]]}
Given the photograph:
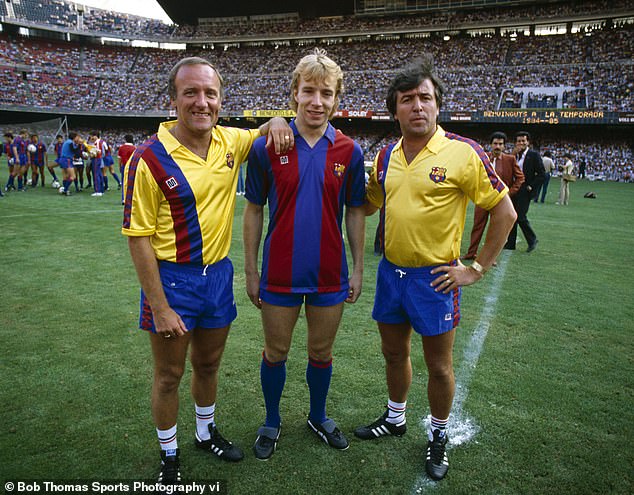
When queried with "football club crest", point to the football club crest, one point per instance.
{"points": [[171, 182], [230, 160], [339, 169], [438, 174], [284, 160], [380, 179]]}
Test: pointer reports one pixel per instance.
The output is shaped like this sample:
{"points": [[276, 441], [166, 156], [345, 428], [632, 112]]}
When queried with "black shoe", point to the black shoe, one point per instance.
{"points": [[381, 427], [532, 246], [329, 433], [266, 442], [170, 473], [436, 463], [219, 446]]}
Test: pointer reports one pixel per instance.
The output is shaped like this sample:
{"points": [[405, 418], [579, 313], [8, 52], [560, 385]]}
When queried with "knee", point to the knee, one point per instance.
{"points": [[321, 354], [168, 378], [206, 368], [275, 352], [441, 371], [395, 356]]}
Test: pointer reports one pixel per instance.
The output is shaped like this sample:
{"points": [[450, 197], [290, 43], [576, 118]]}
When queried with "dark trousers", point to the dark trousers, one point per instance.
{"points": [[521, 202], [543, 188]]}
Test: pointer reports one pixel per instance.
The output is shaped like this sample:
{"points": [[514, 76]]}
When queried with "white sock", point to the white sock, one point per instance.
{"points": [[204, 418], [396, 412], [437, 424], [167, 439]]}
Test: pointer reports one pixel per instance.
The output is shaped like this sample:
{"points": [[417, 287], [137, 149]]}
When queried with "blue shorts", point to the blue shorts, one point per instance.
{"points": [[404, 294], [65, 162], [24, 159], [202, 295], [312, 298], [107, 161]]}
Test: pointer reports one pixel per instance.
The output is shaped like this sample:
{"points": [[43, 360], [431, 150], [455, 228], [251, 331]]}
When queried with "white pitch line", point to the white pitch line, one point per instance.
{"points": [[461, 428]]}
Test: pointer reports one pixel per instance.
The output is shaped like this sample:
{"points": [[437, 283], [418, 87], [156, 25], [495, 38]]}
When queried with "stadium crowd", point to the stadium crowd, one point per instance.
{"points": [[484, 72], [478, 71], [60, 13]]}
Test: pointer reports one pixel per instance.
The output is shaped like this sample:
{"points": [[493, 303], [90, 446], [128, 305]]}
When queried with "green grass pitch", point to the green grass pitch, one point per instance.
{"points": [[551, 396]]}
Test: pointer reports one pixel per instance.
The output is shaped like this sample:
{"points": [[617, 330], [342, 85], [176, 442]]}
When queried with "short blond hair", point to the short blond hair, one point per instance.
{"points": [[317, 66]]}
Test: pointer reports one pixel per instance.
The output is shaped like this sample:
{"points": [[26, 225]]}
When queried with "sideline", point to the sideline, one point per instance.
{"points": [[462, 428]]}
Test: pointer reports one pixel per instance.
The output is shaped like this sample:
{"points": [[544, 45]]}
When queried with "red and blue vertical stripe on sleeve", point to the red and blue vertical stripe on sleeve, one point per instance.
{"points": [[178, 193]]}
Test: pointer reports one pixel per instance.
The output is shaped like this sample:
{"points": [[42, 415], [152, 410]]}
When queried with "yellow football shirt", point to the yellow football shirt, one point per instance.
{"points": [[183, 202], [426, 200]]}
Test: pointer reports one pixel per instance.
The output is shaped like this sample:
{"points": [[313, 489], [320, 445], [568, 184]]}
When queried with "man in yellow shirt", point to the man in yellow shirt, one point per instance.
{"points": [[178, 215], [423, 184]]}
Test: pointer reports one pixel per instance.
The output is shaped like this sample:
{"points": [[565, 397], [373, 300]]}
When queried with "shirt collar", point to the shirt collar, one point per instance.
{"points": [[165, 136], [330, 133], [433, 145], [169, 141]]}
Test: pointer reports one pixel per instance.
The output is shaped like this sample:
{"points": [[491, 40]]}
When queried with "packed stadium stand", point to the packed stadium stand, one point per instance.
{"points": [[54, 58]]}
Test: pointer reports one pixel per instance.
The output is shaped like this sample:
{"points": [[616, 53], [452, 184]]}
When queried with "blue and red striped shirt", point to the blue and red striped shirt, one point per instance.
{"points": [[306, 190]]}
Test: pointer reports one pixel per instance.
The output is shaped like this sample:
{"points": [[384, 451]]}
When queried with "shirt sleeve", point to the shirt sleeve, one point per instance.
{"points": [[481, 183], [355, 187], [256, 183], [374, 190], [243, 141], [141, 207]]}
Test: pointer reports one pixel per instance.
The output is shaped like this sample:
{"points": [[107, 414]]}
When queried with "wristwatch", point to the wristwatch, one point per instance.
{"points": [[478, 267]]}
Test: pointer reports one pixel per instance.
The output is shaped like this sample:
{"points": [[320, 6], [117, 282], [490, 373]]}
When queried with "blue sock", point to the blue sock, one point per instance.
{"points": [[273, 378], [52, 172], [76, 182], [67, 184], [105, 183], [19, 182], [318, 376], [11, 181], [116, 177]]}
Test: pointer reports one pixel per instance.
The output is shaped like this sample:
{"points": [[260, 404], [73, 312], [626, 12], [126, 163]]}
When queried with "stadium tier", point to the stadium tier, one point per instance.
{"points": [[55, 59], [479, 71]]}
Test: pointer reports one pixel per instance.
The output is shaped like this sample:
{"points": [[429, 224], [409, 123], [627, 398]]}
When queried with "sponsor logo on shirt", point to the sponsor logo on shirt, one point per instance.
{"points": [[438, 174], [230, 160], [171, 182], [339, 169]]}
